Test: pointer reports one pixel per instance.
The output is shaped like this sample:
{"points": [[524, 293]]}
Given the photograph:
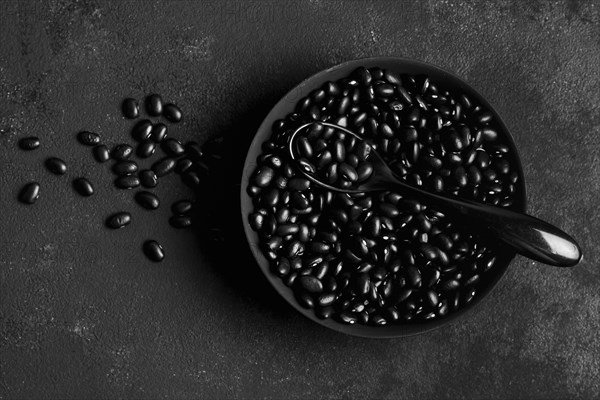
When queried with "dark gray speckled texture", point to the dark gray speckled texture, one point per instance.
{"points": [[84, 314]]}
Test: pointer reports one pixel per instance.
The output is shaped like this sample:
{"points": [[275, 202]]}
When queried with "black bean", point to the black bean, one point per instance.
{"points": [[414, 150], [191, 179], [148, 178], [125, 167], [482, 160], [127, 182], [172, 113], [431, 162], [88, 138], [323, 159], [413, 275], [404, 95], [472, 280], [56, 166], [339, 151], [502, 166], [428, 251], [449, 285], [142, 130], [299, 184], [362, 284], [348, 172], [183, 164], [485, 117], [310, 284], [474, 175], [304, 147], [29, 143], [158, 132], [432, 298], [283, 267], [179, 222], [122, 152], [194, 150], [287, 229], [153, 250], [147, 200], [256, 221], [83, 187], [118, 220], [29, 193], [101, 153], [154, 105], [460, 176], [264, 177], [182, 207], [172, 147], [384, 90], [163, 166], [146, 148], [489, 134], [299, 201], [130, 108]]}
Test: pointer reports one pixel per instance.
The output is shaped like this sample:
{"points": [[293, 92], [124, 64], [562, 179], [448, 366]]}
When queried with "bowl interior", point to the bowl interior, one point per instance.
{"points": [[287, 104]]}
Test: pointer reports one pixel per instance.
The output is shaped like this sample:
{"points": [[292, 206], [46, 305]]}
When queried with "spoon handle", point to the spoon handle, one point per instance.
{"points": [[529, 236]]}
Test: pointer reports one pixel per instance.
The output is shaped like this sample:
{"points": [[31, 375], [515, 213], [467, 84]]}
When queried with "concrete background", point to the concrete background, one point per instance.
{"points": [[84, 314]]}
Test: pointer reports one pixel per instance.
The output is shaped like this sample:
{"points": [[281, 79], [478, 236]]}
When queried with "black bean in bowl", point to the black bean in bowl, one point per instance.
{"points": [[383, 259]]}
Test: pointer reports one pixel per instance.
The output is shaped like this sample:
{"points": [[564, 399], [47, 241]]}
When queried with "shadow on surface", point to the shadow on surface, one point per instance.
{"points": [[219, 222]]}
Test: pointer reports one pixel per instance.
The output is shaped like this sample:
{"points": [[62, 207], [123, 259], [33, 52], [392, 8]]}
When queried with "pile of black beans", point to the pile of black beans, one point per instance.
{"points": [[334, 157], [381, 258], [186, 160]]}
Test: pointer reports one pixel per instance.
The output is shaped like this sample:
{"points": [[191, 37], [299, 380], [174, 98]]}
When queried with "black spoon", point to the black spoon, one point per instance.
{"points": [[529, 236]]}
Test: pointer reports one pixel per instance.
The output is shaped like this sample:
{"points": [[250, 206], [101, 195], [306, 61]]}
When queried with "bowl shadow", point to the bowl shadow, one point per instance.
{"points": [[218, 224]]}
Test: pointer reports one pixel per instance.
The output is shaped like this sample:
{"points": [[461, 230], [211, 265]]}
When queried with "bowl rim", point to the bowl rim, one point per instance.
{"points": [[288, 102]]}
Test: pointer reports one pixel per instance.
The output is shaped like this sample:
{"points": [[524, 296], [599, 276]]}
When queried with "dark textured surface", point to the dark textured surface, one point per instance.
{"points": [[84, 314]]}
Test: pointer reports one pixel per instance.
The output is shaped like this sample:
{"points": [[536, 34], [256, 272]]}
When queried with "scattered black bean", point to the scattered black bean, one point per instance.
{"points": [[29, 143], [130, 108], [194, 150], [88, 138], [183, 164], [148, 178], [154, 105], [147, 200], [164, 166], [56, 166], [101, 153], [153, 250], [172, 147], [172, 112], [125, 168], [127, 182], [122, 152], [30, 193], [178, 221], [181, 207], [146, 148], [118, 220], [83, 187], [159, 132], [142, 130]]}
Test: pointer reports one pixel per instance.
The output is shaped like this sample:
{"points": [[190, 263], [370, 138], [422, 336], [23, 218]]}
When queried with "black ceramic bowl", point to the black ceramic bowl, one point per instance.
{"points": [[287, 105]]}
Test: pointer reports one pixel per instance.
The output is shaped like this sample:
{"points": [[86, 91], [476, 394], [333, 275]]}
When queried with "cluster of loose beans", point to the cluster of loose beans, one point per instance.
{"points": [[381, 258], [186, 160]]}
